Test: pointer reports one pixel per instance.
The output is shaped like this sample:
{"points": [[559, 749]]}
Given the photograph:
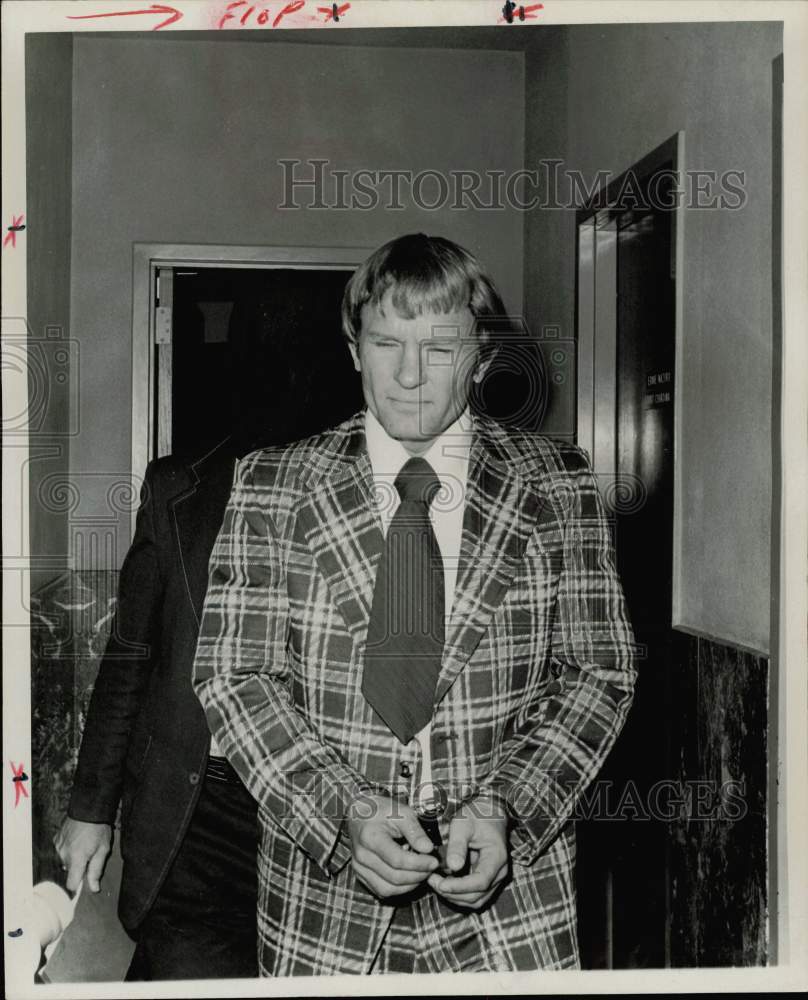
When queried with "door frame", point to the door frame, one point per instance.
{"points": [[146, 259], [596, 332]]}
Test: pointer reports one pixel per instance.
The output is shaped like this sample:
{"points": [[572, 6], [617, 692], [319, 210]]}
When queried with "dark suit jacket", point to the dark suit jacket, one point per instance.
{"points": [[146, 741]]}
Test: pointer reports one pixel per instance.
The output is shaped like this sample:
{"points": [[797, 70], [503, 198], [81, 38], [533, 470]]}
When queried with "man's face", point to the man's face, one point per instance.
{"points": [[415, 372]]}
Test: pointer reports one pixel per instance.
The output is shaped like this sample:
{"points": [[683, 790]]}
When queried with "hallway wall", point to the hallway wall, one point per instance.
{"points": [[178, 141], [600, 97]]}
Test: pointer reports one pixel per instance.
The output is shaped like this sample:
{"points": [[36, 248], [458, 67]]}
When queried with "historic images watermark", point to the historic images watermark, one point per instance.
{"points": [[316, 185], [93, 506], [49, 364], [315, 795]]}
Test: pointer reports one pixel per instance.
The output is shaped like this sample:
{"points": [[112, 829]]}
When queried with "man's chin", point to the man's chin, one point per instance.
{"points": [[409, 435], [407, 429]]}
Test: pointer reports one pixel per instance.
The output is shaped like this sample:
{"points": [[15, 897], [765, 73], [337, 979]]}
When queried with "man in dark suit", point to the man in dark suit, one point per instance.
{"points": [[188, 825]]}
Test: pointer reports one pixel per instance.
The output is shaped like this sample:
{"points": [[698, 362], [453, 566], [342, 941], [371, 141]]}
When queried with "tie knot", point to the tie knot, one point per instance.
{"points": [[417, 482]]}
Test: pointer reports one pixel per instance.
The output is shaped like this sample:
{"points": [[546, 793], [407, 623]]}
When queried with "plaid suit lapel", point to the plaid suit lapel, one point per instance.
{"points": [[340, 524], [505, 499], [504, 503]]}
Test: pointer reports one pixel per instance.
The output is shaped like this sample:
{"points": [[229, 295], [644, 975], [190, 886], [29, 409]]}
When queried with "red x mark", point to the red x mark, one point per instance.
{"points": [[19, 777], [15, 227], [334, 13], [522, 12]]}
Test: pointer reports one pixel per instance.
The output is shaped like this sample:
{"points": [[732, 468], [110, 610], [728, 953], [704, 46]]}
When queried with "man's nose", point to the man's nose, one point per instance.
{"points": [[410, 369]]}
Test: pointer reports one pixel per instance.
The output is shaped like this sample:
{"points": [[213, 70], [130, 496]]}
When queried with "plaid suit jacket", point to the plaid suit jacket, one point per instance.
{"points": [[536, 680]]}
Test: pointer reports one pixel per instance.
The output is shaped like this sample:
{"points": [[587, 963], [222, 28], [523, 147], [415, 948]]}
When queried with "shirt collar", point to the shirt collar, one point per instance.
{"points": [[448, 454]]}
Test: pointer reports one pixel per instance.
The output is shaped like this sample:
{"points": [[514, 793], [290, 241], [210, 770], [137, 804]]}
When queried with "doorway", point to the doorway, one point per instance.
{"points": [[223, 301], [256, 356], [627, 320]]}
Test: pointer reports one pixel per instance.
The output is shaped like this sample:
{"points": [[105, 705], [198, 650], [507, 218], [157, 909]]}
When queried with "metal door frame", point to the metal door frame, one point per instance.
{"points": [[596, 328]]}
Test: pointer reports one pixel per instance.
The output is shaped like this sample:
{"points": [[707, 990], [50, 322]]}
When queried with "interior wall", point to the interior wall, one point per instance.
{"points": [[623, 90], [549, 277], [178, 141], [52, 359]]}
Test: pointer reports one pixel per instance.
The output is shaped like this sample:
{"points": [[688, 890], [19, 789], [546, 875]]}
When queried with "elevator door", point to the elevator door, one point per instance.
{"points": [[623, 873]]}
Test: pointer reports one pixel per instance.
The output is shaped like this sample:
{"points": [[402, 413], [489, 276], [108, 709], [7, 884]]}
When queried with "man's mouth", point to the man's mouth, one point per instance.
{"points": [[409, 403]]}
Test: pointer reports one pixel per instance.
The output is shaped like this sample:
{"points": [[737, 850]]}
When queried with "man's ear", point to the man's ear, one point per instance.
{"points": [[354, 349]]}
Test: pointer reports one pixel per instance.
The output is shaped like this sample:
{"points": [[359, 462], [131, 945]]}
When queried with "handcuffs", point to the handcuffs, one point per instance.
{"points": [[429, 818]]}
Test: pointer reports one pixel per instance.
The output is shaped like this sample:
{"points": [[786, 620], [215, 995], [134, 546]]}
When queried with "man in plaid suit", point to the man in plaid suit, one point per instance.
{"points": [[533, 682]]}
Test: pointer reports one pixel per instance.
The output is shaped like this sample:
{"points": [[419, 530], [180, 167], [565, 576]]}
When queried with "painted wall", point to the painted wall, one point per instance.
{"points": [[49, 67], [549, 274], [625, 90], [178, 141]]}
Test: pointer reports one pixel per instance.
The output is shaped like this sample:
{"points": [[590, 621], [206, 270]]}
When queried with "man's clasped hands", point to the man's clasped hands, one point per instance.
{"points": [[393, 855]]}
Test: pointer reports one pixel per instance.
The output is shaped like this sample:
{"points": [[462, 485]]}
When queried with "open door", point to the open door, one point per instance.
{"points": [[231, 340], [253, 354], [627, 330]]}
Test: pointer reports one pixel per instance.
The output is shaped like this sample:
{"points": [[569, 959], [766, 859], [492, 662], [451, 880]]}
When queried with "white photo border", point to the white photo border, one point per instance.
{"points": [[789, 660]]}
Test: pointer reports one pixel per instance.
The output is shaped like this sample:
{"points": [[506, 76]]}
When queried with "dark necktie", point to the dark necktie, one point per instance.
{"points": [[406, 630]]}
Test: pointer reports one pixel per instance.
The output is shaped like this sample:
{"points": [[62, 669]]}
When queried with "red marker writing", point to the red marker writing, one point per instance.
{"points": [[334, 13], [522, 12], [227, 16], [290, 8], [243, 11], [15, 227], [156, 8], [19, 777]]}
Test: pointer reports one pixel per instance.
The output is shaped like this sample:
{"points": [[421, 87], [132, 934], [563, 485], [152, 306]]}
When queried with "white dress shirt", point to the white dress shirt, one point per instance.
{"points": [[449, 457]]}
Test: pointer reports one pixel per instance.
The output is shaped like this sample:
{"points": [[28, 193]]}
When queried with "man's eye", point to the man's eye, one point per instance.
{"points": [[440, 355]]}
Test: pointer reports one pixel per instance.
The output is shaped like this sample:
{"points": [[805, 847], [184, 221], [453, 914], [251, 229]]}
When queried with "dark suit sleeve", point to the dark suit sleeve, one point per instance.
{"points": [[123, 675]]}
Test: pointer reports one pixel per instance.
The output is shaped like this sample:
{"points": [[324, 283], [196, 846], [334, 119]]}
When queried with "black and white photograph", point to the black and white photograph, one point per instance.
{"points": [[404, 497]]}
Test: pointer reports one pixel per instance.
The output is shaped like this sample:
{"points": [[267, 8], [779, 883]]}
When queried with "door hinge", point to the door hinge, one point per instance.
{"points": [[164, 306]]}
